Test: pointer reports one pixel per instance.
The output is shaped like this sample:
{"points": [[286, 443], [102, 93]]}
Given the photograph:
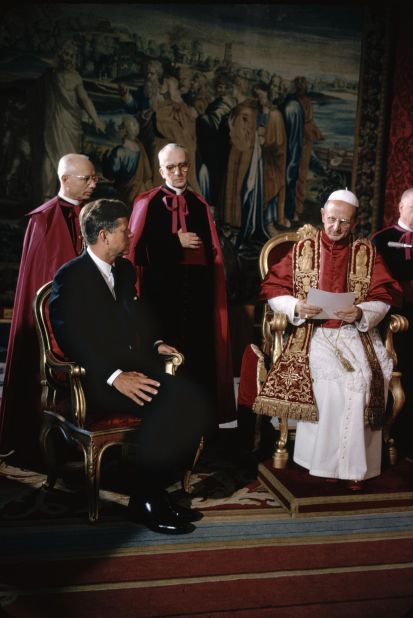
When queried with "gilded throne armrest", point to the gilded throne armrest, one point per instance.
{"points": [[394, 323]]}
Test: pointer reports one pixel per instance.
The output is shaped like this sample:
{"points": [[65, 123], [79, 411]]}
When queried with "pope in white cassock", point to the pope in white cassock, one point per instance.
{"points": [[333, 374]]}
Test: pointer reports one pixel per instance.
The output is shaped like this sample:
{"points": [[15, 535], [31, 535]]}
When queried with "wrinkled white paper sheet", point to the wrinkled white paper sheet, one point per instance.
{"points": [[330, 302]]}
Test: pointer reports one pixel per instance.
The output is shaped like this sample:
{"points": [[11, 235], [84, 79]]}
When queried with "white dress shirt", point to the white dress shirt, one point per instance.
{"points": [[105, 270]]}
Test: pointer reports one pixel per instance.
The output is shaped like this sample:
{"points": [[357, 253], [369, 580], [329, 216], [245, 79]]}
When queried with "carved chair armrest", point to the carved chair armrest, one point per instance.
{"points": [[74, 372], [172, 362], [274, 326], [65, 366], [395, 323]]}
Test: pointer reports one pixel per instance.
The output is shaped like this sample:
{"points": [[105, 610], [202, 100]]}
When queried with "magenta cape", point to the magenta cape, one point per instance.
{"points": [[223, 358], [47, 245]]}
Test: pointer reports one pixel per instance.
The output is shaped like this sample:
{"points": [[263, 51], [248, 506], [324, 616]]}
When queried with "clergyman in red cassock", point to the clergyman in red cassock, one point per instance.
{"points": [[176, 249], [395, 245], [52, 238]]}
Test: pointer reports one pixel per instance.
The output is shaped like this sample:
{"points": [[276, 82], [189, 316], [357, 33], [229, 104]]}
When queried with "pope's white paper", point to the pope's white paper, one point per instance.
{"points": [[330, 302]]}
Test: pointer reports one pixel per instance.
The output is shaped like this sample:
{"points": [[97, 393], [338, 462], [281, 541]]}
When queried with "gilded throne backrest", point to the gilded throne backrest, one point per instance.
{"points": [[274, 325]]}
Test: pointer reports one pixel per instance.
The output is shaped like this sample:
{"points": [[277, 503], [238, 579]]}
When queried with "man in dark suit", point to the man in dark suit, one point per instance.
{"points": [[100, 323]]}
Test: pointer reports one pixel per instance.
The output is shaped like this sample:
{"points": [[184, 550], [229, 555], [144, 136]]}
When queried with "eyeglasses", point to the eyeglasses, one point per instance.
{"points": [[183, 167], [343, 222], [87, 179]]}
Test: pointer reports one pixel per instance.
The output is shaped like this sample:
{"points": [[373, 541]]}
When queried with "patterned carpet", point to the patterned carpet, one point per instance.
{"points": [[247, 557]]}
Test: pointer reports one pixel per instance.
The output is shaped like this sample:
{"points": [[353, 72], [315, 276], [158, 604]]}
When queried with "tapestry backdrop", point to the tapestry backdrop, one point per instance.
{"points": [[266, 98]]}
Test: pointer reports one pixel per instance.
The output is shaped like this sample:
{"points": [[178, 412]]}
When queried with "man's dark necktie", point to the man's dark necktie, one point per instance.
{"points": [[122, 304], [115, 276]]}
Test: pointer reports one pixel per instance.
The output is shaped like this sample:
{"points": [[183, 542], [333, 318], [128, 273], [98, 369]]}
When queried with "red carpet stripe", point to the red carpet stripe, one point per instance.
{"points": [[365, 554], [269, 590]]}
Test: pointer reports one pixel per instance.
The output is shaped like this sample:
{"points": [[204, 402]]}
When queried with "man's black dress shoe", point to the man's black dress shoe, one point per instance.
{"points": [[157, 515]]}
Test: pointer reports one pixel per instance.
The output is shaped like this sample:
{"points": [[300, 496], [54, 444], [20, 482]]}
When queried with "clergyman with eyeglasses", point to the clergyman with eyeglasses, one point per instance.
{"points": [[333, 374], [52, 238], [176, 250]]}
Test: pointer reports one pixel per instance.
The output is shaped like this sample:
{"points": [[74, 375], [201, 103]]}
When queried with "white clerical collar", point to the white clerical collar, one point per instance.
{"points": [[175, 190], [404, 226], [69, 199]]}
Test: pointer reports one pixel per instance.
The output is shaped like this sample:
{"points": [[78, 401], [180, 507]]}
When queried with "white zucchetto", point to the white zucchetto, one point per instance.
{"points": [[344, 195]]}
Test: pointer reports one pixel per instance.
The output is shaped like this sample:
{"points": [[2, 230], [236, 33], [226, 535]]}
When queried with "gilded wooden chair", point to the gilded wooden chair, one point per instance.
{"points": [[273, 330], [65, 410]]}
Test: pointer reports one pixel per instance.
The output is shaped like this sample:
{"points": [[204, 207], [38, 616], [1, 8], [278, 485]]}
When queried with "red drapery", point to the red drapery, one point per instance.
{"points": [[400, 149]]}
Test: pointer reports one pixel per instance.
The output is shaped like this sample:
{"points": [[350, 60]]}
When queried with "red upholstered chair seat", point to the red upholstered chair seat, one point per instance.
{"points": [[95, 421], [112, 422]]}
